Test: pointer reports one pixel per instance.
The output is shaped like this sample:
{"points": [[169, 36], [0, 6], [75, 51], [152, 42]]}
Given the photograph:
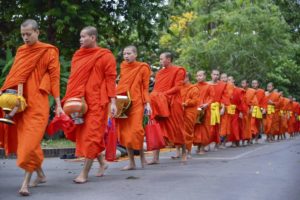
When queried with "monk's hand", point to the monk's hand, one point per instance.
{"points": [[0, 92], [113, 107], [270, 102], [222, 111], [263, 111], [59, 111], [148, 109], [241, 115], [204, 106]]}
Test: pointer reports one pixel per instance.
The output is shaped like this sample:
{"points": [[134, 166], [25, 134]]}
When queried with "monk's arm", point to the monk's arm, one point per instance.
{"points": [[54, 72], [193, 98], [146, 79], [178, 82], [110, 76]]}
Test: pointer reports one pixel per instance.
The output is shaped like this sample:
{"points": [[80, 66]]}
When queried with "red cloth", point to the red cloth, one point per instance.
{"points": [[154, 136], [112, 137], [62, 122]]}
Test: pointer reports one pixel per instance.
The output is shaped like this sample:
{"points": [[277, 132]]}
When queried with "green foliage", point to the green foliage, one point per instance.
{"points": [[246, 39]]}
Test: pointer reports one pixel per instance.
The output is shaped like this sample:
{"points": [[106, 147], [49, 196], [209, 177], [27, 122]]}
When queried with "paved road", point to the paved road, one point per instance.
{"points": [[261, 171]]}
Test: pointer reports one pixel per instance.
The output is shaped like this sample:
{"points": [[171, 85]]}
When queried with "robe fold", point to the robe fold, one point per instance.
{"points": [[168, 82], [225, 125], [135, 79], [220, 98], [37, 67], [236, 122], [93, 75], [202, 131], [268, 122], [190, 97]]}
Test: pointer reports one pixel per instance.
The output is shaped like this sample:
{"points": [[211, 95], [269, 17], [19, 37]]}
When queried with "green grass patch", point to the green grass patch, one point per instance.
{"points": [[57, 143]]}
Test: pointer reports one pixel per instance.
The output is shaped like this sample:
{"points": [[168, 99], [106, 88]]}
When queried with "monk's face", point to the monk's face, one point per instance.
{"points": [[270, 87], [29, 35], [86, 40], [129, 55], [244, 84], [231, 80], [254, 84], [200, 77], [224, 78], [215, 75], [164, 61]]}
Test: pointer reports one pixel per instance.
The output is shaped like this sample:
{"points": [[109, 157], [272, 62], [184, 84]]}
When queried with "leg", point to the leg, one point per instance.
{"points": [[41, 178], [103, 166], [201, 150], [143, 158], [177, 153], [82, 178], [184, 156], [24, 188], [155, 158], [131, 165]]}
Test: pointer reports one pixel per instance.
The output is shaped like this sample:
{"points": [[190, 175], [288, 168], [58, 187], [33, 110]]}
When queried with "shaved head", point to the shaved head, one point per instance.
{"points": [[224, 77], [91, 31], [132, 48], [30, 22]]}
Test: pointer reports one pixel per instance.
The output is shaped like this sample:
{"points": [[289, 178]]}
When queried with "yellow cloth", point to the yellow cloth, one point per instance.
{"points": [[282, 112], [215, 113], [231, 109], [10, 100], [298, 118], [270, 109], [256, 112]]}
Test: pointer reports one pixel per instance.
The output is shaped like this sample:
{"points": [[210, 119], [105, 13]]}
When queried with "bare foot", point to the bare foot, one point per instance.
{"points": [[184, 158], [153, 162], [24, 191], [201, 152], [175, 157], [38, 180], [143, 163], [101, 170], [189, 156], [80, 180], [128, 168]]}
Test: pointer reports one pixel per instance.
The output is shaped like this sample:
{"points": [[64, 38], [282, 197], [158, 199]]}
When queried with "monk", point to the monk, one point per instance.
{"points": [[236, 109], [283, 117], [92, 77], [135, 80], [225, 125], [37, 67], [166, 104], [250, 102], [260, 110], [217, 107], [272, 98], [292, 117], [190, 98], [203, 127]]}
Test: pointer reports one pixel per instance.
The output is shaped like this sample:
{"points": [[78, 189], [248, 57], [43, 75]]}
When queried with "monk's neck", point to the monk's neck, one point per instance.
{"points": [[169, 65]]}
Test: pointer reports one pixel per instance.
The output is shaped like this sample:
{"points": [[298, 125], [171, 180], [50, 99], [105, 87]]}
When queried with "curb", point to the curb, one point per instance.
{"points": [[48, 152]]}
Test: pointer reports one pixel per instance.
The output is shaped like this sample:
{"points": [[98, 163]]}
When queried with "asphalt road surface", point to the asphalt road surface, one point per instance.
{"points": [[261, 171]]}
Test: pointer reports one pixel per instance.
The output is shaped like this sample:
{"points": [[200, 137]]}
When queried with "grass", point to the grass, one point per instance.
{"points": [[57, 143]]}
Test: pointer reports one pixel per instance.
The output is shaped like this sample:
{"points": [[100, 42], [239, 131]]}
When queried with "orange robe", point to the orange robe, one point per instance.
{"points": [[135, 79], [261, 99], [236, 122], [293, 118], [249, 126], [283, 115], [268, 123], [168, 82], [277, 118], [190, 97], [225, 125], [93, 75], [37, 67], [202, 131], [220, 97]]}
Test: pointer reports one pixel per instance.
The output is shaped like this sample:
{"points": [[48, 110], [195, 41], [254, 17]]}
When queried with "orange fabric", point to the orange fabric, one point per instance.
{"points": [[236, 121], [268, 122], [190, 97], [93, 74], [261, 100], [225, 125], [168, 82], [37, 67], [221, 97], [135, 79], [248, 124], [284, 117], [202, 131]]}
